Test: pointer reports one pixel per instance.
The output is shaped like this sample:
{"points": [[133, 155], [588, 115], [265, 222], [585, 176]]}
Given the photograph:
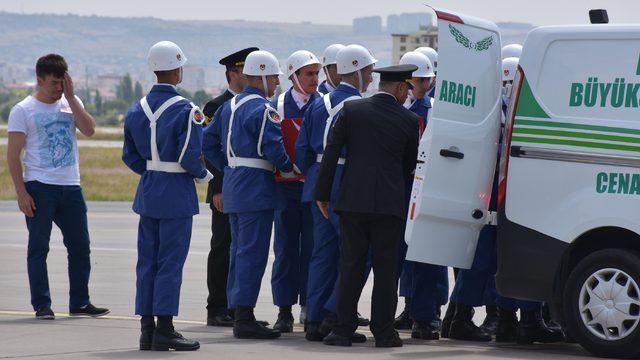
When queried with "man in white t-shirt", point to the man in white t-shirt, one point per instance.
{"points": [[48, 187]]}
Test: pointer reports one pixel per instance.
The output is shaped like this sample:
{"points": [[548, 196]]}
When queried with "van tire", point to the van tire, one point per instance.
{"points": [[628, 261]]}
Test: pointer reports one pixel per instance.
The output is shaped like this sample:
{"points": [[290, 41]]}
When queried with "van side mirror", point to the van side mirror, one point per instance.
{"points": [[598, 16]]}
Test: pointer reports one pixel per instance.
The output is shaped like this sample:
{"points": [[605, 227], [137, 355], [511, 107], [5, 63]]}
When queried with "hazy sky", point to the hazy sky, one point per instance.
{"points": [[539, 12]]}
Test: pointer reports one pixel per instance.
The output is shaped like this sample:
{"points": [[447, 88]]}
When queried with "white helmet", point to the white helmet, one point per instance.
{"points": [[425, 70], [330, 53], [511, 50], [261, 63], [165, 56], [430, 53], [353, 58], [509, 68], [300, 59]]}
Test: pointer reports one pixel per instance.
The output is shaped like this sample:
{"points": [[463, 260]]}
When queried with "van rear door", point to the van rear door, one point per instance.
{"points": [[457, 154]]}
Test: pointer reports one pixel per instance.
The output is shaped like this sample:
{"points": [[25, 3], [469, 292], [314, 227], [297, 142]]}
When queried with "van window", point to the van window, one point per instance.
{"points": [[590, 79]]}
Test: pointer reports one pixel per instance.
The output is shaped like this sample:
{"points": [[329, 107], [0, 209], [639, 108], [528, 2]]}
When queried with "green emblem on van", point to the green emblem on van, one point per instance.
{"points": [[618, 183], [455, 93], [461, 39], [616, 94]]}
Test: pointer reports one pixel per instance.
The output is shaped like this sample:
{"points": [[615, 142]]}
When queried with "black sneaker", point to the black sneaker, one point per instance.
{"points": [[89, 310], [45, 313]]}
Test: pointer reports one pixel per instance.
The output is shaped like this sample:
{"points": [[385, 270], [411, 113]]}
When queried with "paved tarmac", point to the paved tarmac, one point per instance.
{"points": [[113, 234]]}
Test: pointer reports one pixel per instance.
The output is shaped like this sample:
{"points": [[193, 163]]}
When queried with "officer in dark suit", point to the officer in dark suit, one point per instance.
{"points": [[218, 262], [381, 140]]}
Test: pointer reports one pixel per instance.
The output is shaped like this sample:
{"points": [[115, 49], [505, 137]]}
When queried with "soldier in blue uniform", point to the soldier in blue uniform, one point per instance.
{"points": [[293, 240], [332, 78], [218, 260], [245, 141], [354, 64], [424, 286], [163, 141]]}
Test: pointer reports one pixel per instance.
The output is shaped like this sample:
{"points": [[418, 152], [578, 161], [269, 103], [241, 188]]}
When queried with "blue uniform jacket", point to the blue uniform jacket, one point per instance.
{"points": [[422, 107], [432, 92], [164, 195], [291, 190], [246, 189], [310, 141], [323, 88]]}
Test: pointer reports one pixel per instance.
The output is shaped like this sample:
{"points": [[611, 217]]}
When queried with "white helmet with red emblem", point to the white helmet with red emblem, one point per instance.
{"points": [[509, 67], [261, 63], [300, 59], [165, 56], [353, 58], [330, 53], [511, 50]]}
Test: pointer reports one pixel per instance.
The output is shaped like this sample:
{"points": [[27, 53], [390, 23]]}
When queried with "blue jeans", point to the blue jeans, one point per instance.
{"points": [[64, 206]]}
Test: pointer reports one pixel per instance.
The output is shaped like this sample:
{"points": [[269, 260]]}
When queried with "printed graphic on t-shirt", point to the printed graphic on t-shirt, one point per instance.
{"points": [[55, 135]]}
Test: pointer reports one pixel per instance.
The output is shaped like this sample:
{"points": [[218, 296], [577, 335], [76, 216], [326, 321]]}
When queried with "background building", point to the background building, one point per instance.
{"points": [[371, 25], [405, 42]]}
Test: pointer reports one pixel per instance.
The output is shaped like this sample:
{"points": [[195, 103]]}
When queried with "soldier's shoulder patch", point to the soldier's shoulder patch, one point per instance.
{"points": [[273, 115], [197, 117]]}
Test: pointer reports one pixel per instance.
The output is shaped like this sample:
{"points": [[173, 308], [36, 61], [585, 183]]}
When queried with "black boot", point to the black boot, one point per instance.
{"points": [[220, 317], [330, 320], [334, 339], [315, 332], [284, 324], [165, 337], [246, 326], [546, 316], [424, 331], [446, 321], [463, 328], [326, 327], [147, 326], [507, 325], [403, 321], [490, 323], [532, 328]]}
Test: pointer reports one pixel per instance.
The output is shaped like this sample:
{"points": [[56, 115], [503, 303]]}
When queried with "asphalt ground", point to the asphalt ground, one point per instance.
{"points": [[113, 228]]}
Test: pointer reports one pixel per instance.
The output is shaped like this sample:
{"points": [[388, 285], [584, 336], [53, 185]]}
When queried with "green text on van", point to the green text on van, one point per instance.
{"points": [[618, 183], [455, 93]]}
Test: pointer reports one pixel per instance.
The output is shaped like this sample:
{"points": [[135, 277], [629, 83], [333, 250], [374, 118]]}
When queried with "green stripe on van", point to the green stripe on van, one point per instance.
{"points": [[578, 143], [563, 125], [581, 135], [527, 104]]}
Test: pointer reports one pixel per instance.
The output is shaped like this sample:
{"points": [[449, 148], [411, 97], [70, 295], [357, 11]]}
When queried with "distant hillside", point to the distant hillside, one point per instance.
{"points": [[120, 45]]}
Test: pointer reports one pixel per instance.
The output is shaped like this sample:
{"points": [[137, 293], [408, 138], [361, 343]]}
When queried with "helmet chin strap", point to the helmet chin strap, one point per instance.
{"points": [[295, 80], [265, 85], [326, 73], [360, 81]]}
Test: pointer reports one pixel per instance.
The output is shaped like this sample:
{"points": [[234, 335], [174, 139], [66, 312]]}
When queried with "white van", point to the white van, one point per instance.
{"points": [[569, 188]]}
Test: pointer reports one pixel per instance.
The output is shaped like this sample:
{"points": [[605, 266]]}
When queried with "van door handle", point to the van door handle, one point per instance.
{"points": [[452, 154]]}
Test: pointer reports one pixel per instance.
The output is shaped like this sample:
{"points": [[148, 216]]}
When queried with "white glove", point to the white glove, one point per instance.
{"points": [[205, 179]]}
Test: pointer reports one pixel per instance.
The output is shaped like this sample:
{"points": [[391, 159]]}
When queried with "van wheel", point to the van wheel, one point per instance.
{"points": [[601, 303]]}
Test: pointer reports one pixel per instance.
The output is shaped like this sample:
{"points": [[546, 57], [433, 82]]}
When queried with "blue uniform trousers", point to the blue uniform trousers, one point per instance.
{"points": [[292, 246], [249, 251], [163, 245], [476, 286], [427, 290], [323, 264], [64, 206]]}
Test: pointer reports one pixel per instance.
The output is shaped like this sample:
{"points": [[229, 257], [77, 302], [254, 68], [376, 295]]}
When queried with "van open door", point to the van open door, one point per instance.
{"points": [[458, 152]]}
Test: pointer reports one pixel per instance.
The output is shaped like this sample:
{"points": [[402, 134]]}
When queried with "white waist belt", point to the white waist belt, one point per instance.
{"points": [[252, 163], [341, 161], [164, 166]]}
